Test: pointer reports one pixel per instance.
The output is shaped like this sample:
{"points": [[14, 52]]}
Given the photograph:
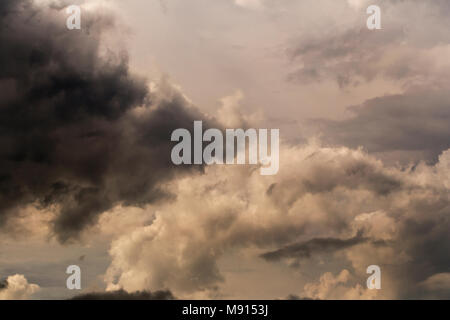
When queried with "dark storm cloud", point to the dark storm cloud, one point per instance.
{"points": [[123, 295], [427, 241], [313, 246], [3, 284], [77, 129], [414, 123]]}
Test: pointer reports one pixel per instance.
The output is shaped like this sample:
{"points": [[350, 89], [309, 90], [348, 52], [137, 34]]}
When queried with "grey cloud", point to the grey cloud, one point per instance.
{"points": [[428, 242], [3, 284], [293, 296], [313, 246], [78, 130], [438, 285], [346, 58], [352, 55], [415, 123], [123, 295]]}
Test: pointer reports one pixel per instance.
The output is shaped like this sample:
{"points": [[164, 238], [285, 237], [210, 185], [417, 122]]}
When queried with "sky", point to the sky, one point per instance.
{"points": [[86, 176]]}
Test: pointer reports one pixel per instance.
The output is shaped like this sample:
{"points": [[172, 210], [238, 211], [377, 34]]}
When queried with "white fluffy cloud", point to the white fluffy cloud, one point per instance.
{"points": [[18, 288]]}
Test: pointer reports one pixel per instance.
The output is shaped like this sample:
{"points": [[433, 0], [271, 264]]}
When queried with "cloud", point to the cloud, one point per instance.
{"points": [[437, 285], [16, 287], [411, 126], [293, 296], [313, 246], [337, 287], [80, 133], [318, 201], [351, 55], [85, 138], [123, 295], [323, 196], [357, 4]]}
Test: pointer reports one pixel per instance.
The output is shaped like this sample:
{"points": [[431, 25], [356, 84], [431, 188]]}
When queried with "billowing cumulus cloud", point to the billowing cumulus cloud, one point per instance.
{"points": [[338, 204], [17, 287]]}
